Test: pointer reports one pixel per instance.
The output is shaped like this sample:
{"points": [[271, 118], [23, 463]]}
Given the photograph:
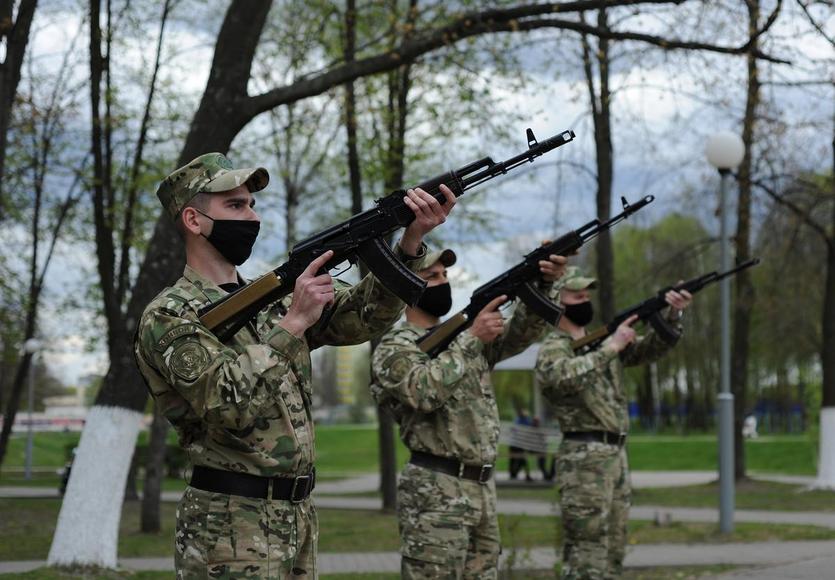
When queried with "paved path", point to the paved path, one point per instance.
{"points": [[808, 569], [807, 555]]}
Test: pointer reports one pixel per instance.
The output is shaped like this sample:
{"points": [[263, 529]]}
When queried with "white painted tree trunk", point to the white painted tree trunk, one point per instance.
{"points": [[88, 526], [826, 450]]}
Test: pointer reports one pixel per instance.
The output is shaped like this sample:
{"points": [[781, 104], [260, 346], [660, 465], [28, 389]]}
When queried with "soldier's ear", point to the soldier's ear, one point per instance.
{"points": [[189, 221]]}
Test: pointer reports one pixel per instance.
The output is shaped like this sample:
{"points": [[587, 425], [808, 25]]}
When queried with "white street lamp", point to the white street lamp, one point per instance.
{"points": [[725, 151], [32, 347]]}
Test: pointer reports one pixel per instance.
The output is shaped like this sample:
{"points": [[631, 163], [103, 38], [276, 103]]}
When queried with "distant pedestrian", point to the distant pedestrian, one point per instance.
{"points": [[518, 455]]}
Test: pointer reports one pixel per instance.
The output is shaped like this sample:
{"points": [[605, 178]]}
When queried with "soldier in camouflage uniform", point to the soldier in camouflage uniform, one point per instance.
{"points": [[587, 394], [448, 418], [242, 408]]}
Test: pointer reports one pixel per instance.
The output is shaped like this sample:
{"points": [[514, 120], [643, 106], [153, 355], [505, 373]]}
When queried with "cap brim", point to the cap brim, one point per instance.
{"points": [[255, 178], [448, 258], [578, 284]]}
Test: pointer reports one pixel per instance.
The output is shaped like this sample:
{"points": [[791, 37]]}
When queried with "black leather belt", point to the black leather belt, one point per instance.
{"points": [[479, 473], [607, 437], [294, 489]]}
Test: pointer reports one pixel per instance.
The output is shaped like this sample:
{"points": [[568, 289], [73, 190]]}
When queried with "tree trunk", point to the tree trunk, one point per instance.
{"points": [[16, 37], [385, 423], [605, 175], [21, 372], [154, 475], [87, 529], [826, 446], [744, 298], [32, 305], [645, 406], [131, 488]]}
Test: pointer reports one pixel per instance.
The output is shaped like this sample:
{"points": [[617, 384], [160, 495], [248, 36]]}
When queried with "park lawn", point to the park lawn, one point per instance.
{"points": [[28, 524], [751, 494], [346, 450], [787, 454]]}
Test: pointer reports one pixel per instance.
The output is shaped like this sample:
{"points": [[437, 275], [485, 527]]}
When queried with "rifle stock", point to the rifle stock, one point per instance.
{"points": [[254, 295], [440, 336], [598, 334]]}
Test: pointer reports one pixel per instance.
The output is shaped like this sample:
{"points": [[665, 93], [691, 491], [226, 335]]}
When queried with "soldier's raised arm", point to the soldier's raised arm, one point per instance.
{"points": [[407, 374], [368, 309]]}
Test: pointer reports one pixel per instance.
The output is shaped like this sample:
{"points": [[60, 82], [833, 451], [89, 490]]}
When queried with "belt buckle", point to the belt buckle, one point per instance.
{"points": [[621, 439], [485, 473], [461, 467], [305, 490]]}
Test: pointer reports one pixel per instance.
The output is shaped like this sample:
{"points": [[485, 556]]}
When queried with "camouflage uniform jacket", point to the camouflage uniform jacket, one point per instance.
{"points": [[587, 390], [446, 406], [245, 405]]}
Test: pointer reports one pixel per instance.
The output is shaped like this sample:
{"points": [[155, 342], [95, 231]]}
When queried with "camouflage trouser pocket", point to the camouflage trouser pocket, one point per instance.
{"points": [[250, 534], [433, 515]]}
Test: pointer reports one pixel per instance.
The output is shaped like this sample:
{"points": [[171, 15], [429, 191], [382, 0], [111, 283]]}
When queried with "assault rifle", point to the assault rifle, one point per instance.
{"points": [[518, 282], [362, 237], [650, 309]]}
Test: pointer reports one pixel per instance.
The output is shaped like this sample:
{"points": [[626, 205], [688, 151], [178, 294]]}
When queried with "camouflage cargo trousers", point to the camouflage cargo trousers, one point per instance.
{"points": [[230, 536], [595, 494], [448, 526]]}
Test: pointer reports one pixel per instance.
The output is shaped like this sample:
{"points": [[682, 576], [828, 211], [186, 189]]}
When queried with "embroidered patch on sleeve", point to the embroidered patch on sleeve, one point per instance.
{"points": [[189, 360], [175, 332]]}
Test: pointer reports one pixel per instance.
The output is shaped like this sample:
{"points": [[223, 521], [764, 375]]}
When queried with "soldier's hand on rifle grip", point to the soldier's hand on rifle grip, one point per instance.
{"points": [[489, 323], [678, 301], [623, 336], [311, 294], [429, 214], [554, 267]]}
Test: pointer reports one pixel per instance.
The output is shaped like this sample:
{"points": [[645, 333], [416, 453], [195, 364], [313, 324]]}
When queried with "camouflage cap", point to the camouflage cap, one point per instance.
{"points": [[446, 257], [573, 279], [209, 173]]}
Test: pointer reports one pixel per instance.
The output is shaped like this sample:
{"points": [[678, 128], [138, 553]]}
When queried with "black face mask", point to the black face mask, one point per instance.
{"points": [[580, 314], [233, 238], [436, 300]]}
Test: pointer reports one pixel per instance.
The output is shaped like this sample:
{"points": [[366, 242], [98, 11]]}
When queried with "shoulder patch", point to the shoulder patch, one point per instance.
{"points": [[189, 360], [176, 332]]}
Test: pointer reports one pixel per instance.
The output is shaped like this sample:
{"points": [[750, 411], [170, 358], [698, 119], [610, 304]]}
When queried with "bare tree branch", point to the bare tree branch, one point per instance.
{"points": [[133, 184], [795, 209], [814, 23]]}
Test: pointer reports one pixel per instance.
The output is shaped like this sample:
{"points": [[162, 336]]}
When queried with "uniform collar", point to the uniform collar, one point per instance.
{"points": [[406, 325], [210, 290], [561, 333]]}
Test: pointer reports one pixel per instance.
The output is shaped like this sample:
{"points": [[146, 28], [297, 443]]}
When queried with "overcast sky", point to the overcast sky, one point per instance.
{"points": [[663, 112]]}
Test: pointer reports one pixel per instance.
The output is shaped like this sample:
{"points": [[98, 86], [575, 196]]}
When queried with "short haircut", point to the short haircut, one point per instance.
{"points": [[199, 202]]}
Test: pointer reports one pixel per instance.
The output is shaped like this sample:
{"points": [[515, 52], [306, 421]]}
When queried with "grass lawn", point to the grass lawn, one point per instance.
{"points": [[27, 526], [752, 494], [345, 450], [786, 454]]}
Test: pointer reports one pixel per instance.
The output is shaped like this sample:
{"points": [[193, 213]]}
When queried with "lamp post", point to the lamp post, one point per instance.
{"points": [[31, 347], [725, 151]]}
